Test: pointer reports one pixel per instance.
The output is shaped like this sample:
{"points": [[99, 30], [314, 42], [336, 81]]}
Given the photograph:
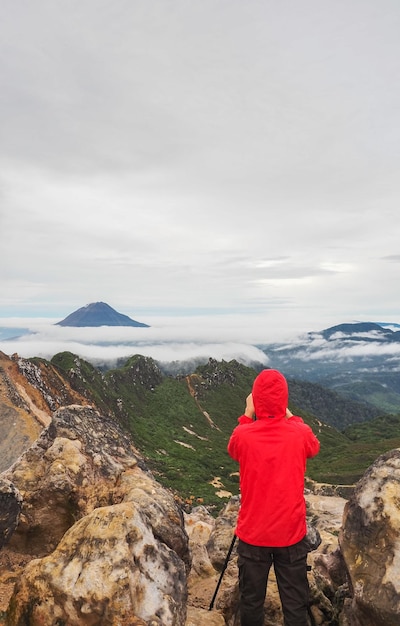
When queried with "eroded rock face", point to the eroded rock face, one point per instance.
{"points": [[110, 542], [107, 568], [370, 544], [10, 509]]}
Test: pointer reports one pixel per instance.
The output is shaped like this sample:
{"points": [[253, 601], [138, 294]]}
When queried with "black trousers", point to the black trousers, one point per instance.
{"points": [[290, 565]]}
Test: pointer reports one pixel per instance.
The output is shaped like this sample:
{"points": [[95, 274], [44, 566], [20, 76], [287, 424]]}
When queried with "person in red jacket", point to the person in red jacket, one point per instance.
{"points": [[272, 447]]}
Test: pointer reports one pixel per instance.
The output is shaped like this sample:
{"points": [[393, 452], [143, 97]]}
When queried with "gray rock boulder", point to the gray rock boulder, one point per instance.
{"points": [[109, 568], [370, 545], [100, 541]]}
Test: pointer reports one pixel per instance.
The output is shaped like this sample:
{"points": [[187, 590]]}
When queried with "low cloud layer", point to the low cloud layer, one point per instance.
{"points": [[168, 340], [368, 349], [198, 339]]}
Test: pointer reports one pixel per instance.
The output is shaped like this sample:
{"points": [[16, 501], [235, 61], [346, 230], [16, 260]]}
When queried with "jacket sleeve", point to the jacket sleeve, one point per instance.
{"points": [[297, 418], [233, 441], [232, 446], [244, 419], [312, 443]]}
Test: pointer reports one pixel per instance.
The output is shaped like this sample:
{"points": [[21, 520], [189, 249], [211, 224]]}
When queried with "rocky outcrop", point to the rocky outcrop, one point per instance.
{"points": [[30, 390], [106, 543], [18, 426], [214, 374], [109, 568], [370, 545], [140, 372], [10, 509]]}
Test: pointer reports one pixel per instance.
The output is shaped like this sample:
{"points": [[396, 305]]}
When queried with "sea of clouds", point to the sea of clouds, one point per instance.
{"points": [[188, 339], [166, 340]]}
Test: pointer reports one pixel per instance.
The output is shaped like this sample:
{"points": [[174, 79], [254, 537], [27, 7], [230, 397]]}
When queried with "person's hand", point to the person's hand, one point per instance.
{"points": [[289, 414], [249, 411]]}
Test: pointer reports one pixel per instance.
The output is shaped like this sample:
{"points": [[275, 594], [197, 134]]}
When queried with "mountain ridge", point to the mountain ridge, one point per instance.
{"points": [[361, 329], [181, 424]]}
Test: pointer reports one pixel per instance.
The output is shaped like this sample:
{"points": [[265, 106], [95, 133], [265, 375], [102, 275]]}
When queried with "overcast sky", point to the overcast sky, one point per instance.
{"points": [[201, 158]]}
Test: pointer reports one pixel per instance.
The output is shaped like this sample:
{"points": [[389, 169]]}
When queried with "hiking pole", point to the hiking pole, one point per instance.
{"points": [[228, 556]]}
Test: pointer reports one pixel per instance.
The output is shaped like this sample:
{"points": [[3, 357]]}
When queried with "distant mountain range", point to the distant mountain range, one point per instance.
{"points": [[98, 314], [361, 361], [362, 331]]}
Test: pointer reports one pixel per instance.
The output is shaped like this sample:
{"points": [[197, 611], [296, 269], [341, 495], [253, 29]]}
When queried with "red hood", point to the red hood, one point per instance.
{"points": [[270, 394]]}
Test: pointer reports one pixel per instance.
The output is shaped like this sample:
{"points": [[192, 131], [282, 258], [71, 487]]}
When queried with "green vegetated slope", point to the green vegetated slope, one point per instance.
{"points": [[330, 406], [182, 424], [343, 459], [378, 389], [386, 427], [369, 380]]}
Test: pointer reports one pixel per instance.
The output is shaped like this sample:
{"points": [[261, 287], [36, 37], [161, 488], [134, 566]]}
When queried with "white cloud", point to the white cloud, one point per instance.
{"points": [[341, 347], [168, 340], [195, 338]]}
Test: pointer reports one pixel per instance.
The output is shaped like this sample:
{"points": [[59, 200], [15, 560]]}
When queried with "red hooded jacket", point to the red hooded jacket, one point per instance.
{"points": [[272, 453]]}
